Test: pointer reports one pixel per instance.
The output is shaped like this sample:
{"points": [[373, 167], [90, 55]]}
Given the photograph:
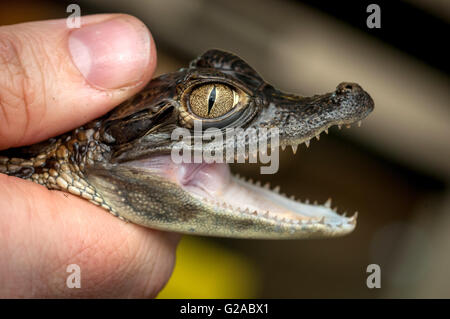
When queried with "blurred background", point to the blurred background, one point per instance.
{"points": [[394, 170]]}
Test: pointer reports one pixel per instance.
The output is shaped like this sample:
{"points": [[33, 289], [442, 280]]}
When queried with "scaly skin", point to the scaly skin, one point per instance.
{"points": [[121, 160]]}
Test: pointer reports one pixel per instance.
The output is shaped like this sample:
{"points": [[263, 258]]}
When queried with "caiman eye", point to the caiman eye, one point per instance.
{"points": [[213, 100]]}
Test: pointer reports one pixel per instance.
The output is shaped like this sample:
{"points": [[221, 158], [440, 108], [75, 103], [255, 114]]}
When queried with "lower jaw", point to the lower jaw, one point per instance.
{"points": [[213, 183]]}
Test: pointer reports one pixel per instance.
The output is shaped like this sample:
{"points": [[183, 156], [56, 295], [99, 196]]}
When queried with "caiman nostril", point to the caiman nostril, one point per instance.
{"points": [[347, 87]]}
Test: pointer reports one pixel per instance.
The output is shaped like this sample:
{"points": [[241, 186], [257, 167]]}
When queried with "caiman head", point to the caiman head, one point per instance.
{"points": [[141, 182]]}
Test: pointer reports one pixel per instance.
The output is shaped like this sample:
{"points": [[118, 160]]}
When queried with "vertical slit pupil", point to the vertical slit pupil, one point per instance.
{"points": [[211, 99]]}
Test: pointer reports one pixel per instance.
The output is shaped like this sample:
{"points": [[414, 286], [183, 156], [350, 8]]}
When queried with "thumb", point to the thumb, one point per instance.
{"points": [[53, 78]]}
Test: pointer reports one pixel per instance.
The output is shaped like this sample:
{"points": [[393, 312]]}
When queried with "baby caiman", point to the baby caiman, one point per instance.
{"points": [[122, 161]]}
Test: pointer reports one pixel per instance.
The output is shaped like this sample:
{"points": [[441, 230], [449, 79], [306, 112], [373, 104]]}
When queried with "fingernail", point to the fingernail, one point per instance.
{"points": [[111, 54]]}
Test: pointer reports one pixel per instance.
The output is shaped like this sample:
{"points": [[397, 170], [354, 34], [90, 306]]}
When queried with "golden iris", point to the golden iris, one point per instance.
{"points": [[213, 100]]}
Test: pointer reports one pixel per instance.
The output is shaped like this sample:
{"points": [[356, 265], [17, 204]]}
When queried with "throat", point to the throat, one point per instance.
{"points": [[202, 179]]}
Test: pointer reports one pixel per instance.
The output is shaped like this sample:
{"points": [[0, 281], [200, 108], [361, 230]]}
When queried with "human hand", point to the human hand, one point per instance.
{"points": [[54, 79]]}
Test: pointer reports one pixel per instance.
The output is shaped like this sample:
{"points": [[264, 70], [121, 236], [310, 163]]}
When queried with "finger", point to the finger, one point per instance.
{"points": [[43, 232], [53, 79]]}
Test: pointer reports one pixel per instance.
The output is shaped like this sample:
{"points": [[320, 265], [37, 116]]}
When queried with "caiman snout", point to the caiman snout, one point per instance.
{"points": [[354, 99]]}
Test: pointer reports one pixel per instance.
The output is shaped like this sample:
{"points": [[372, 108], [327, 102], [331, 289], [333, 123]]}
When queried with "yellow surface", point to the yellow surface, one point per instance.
{"points": [[207, 270]]}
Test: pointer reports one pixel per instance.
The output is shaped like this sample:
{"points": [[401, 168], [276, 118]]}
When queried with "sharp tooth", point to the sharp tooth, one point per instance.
{"points": [[328, 203], [352, 220], [255, 213], [266, 214], [250, 180], [318, 137], [258, 183], [276, 189], [283, 147], [344, 214], [359, 123], [294, 148], [326, 130], [307, 143], [339, 126], [335, 209], [292, 197], [315, 202], [307, 201], [267, 185], [321, 220]]}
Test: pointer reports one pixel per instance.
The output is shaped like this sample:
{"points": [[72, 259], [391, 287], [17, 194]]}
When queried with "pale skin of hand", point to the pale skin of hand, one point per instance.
{"points": [[47, 88]]}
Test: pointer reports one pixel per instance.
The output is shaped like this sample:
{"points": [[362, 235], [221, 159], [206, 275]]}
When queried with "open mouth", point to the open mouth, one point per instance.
{"points": [[233, 197]]}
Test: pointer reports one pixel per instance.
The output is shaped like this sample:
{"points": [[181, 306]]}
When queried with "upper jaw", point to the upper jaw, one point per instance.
{"points": [[298, 120]]}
